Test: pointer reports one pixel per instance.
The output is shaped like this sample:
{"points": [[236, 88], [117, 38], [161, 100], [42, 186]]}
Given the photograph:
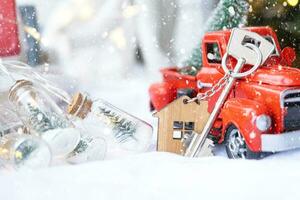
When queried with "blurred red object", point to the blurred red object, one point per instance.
{"points": [[9, 37]]}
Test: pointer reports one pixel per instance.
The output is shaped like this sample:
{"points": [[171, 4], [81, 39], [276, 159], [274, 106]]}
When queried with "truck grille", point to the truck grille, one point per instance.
{"points": [[291, 101]]}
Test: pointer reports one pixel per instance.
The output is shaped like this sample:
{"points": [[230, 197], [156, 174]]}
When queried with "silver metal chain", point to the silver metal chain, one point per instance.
{"points": [[209, 93]]}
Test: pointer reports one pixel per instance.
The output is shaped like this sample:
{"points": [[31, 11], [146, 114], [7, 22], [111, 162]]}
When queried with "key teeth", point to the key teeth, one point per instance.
{"points": [[207, 149]]}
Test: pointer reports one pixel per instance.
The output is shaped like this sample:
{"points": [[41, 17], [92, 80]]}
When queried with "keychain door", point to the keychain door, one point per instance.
{"points": [[9, 37]]}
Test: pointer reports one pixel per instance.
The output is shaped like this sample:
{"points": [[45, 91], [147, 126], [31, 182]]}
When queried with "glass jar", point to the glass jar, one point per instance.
{"points": [[43, 117], [24, 151], [120, 129], [10, 121]]}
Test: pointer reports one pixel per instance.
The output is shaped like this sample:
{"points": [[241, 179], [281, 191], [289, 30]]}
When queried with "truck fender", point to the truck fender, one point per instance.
{"points": [[161, 94], [242, 113]]}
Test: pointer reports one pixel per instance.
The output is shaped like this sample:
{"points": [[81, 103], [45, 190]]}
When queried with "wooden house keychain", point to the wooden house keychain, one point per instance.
{"points": [[179, 122]]}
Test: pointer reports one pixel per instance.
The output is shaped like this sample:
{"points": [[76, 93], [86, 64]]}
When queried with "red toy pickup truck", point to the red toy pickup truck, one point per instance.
{"points": [[262, 111]]}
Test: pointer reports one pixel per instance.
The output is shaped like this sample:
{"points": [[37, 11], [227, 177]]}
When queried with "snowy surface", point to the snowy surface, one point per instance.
{"points": [[158, 176]]}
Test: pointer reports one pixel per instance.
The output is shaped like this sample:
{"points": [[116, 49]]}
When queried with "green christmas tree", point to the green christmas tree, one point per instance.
{"points": [[42, 122], [38, 120], [82, 146], [122, 128], [228, 14]]}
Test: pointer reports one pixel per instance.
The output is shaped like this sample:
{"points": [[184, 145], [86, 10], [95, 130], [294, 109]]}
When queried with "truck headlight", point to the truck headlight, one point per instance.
{"points": [[263, 122]]}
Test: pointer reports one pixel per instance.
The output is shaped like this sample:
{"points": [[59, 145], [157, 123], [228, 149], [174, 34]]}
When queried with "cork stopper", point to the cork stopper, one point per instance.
{"points": [[80, 106], [19, 84]]}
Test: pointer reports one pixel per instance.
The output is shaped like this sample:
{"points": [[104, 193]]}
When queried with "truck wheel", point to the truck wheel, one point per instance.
{"points": [[186, 92], [236, 147]]}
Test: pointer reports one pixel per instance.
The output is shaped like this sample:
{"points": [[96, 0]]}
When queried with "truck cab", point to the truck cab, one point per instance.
{"points": [[262, 112]]}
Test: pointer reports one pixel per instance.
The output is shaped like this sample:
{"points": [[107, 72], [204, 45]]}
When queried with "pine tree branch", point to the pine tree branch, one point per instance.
{"points": [[123, 128]]}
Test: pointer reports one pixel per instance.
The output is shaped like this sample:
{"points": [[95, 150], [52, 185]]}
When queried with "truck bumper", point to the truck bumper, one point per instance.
{"points": [[280, 142]]}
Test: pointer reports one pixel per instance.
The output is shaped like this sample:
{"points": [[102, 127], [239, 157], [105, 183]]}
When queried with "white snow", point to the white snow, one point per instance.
{"points": [[158, 176]]}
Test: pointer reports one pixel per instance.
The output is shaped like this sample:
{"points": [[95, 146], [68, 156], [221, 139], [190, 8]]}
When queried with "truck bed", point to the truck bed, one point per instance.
{"points": [[173, 76]]}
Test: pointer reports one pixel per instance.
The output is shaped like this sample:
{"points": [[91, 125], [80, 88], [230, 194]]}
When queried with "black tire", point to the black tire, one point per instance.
{"points": [[186, 92], [236, 147], [151, 107]]}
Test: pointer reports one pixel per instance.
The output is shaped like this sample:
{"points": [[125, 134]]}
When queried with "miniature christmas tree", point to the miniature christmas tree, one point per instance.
{"points": [[42, 122], [122, 128], [82, 145], [57, 121], [228, 14], [38, 120]]}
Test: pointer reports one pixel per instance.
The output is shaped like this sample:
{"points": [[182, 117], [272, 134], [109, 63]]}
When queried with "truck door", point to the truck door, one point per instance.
{"points": [[211, 72]]}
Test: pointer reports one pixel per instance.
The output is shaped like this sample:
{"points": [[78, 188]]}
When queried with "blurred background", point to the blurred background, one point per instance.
{"points": [[283, 17], [110, 38], [101, 36], [117, 34]]}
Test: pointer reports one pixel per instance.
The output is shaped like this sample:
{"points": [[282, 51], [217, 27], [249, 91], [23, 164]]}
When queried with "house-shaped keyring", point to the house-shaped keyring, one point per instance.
{"points": [[178, 121]]}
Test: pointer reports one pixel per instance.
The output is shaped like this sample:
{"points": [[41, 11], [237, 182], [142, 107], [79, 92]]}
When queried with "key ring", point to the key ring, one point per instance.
{"points": [[246, 73]]}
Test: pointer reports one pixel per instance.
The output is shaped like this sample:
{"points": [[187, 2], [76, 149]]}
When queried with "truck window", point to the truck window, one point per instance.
{"points": [[213, 53], [248, 39], [271, 39]]}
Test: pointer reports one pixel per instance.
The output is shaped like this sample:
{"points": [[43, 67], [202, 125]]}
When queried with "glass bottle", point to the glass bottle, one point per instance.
{"points": [[43, 117], [10, 121], [126, 131], [24, 151]]}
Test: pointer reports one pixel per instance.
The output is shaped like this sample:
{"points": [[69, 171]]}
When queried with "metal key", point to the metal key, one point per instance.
{"points": [[255, 53]]}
